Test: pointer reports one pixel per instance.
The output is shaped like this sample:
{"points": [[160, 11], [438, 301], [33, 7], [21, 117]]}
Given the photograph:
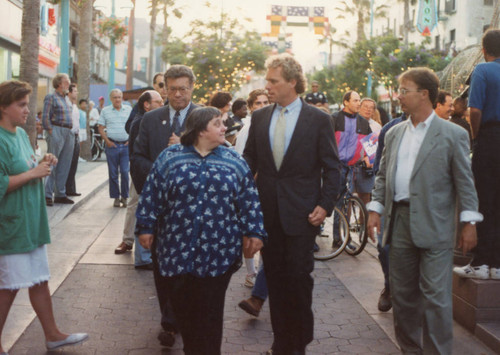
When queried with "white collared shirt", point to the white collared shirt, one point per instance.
{"points": [[407, 155], [291, 115]]}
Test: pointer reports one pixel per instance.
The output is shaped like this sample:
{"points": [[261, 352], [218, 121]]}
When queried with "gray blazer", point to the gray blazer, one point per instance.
{"points": [[441, 180]]}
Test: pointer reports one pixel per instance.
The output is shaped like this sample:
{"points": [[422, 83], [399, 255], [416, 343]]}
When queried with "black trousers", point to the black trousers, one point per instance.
{"points": [[486, 169], [198, 304], [288, 264], [70, 181], [168, 322]]}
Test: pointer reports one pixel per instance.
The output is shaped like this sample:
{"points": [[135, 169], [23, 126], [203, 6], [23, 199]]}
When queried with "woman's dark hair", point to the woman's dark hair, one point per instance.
{"points": [[13, 90], [220, 99], [197, 122]]}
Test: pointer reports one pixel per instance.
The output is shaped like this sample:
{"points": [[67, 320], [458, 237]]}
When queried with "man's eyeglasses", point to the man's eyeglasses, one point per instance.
{"points": [[182, 90], [403, 92], [161, 84]]}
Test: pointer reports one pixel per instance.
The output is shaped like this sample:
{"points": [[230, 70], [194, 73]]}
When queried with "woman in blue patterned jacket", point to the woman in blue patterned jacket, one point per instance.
{"points": [[199, 200]]}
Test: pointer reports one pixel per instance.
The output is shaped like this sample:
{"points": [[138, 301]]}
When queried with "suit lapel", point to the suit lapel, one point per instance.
{"points": [[266, 123], [393, 162], [428, 144]]}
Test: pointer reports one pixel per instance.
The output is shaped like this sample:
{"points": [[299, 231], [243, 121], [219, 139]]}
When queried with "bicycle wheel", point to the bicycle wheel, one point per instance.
{"points": [[94, 149], [357, 217], [330, 243]]}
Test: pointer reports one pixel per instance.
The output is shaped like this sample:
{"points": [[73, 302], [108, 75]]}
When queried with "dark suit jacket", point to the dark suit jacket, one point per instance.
{"points": [[309, 174], [154, 132]]}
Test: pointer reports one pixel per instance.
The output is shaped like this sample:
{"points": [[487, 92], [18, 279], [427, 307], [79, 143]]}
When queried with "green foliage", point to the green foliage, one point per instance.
{"points": [[112, 28], [385, 56], [221, 53]]}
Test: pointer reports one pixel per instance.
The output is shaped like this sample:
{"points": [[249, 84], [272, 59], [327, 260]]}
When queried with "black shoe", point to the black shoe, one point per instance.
{"points": [[384, 301], [63, 200], [48, 201], [73, 194], [167, 339], [144, 267]]}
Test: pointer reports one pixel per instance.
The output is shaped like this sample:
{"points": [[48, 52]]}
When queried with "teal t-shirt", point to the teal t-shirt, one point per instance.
{"points": [[23, 215]]}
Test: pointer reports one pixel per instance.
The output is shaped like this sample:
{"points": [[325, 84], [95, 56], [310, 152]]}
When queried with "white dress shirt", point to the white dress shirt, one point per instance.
{"points": [[407, 155]]}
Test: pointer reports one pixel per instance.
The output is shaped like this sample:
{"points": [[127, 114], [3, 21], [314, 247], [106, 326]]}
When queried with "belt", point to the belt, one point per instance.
{"points": [[401, 203], [117, 142], [62, 124]]}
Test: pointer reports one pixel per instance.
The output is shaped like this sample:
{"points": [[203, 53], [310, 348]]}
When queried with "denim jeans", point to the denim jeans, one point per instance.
{"points": [[486, 169], [118, 162], [259, 289], [60, 143]]}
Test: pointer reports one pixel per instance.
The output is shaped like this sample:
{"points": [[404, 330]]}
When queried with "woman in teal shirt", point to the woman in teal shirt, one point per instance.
{"points": [[24, 229]]}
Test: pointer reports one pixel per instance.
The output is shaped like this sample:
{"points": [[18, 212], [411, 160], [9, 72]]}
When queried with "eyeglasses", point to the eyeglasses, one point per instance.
{"points": [[403, 92], [161, 85], [182, 90]]}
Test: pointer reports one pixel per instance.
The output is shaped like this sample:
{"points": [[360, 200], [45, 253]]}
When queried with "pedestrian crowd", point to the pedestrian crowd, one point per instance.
{"points": [[215, 183]]}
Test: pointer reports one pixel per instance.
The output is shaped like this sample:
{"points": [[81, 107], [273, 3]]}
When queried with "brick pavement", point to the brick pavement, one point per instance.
{"points": [[117, 306]]}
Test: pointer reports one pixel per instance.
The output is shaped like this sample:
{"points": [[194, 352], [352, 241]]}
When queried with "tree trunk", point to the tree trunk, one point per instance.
{"points": [[29, 59], [85, 41], [152, 32], [361, 25], [130, 49], [164, 35]]}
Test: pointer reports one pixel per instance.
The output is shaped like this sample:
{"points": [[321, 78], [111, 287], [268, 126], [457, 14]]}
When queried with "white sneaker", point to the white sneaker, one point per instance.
{"points": [[81, 160], [473, 272], [495, 273], [250, 280]]}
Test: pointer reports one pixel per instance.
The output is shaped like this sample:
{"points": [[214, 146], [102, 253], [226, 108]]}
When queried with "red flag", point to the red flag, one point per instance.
{"points": [[52, 17]]}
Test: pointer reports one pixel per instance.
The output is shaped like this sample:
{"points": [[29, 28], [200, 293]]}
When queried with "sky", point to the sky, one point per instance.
{"points": [[305, 43]]}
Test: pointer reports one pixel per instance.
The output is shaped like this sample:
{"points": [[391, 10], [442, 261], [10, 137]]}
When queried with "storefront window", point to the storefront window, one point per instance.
{"points": [[16, 65], [4, 63]]}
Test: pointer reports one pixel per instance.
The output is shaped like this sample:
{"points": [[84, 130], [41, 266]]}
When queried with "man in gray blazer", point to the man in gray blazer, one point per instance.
{"points": [[425, 173]]}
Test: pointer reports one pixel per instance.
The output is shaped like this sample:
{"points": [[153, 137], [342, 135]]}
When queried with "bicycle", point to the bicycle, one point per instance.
{"points": [[97, 145], [330, 244], [355, 212]]}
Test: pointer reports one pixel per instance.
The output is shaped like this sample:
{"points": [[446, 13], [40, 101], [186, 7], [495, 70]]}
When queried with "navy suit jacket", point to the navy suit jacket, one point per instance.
{"points": [[154, 132], [309, 174]]}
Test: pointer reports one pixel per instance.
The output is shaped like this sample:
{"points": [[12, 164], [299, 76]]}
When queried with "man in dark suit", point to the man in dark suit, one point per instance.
{"points": [[291, 148], [159, 129]]}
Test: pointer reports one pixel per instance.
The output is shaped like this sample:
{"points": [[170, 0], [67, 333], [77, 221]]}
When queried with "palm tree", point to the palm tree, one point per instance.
{"points": [[83, 73], [361, 9], [328, 38], [152, 31], [407, 22], [29, 59], [166, 30]]}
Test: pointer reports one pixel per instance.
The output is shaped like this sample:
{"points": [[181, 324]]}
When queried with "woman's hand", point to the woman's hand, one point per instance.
{"points": [[49, 158], [146, 240], [252, 245], [41, 170]]}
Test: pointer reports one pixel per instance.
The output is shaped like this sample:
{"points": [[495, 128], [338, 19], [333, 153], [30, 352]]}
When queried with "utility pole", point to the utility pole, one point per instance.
{"points": [[369, 82], [111, 78], [130, 50], [64, 59]]}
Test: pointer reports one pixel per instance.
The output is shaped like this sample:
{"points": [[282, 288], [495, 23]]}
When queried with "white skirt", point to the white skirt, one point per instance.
{"points": [[82, 134], [24, 270]]}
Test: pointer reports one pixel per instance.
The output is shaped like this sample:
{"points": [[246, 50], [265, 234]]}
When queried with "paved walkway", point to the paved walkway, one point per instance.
{"points": [[101, 293]]}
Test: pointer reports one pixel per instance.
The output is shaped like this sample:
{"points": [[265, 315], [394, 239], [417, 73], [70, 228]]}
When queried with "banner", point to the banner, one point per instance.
{"points": [[297, 16], [427, 17]]}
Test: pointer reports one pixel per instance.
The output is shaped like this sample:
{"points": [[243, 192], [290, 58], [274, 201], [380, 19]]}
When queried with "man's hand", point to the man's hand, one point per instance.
{"points": [[174, 139], [252, 245], [110, 144], [146, 240], [317, 216], [373, 223], [468, 238]]}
